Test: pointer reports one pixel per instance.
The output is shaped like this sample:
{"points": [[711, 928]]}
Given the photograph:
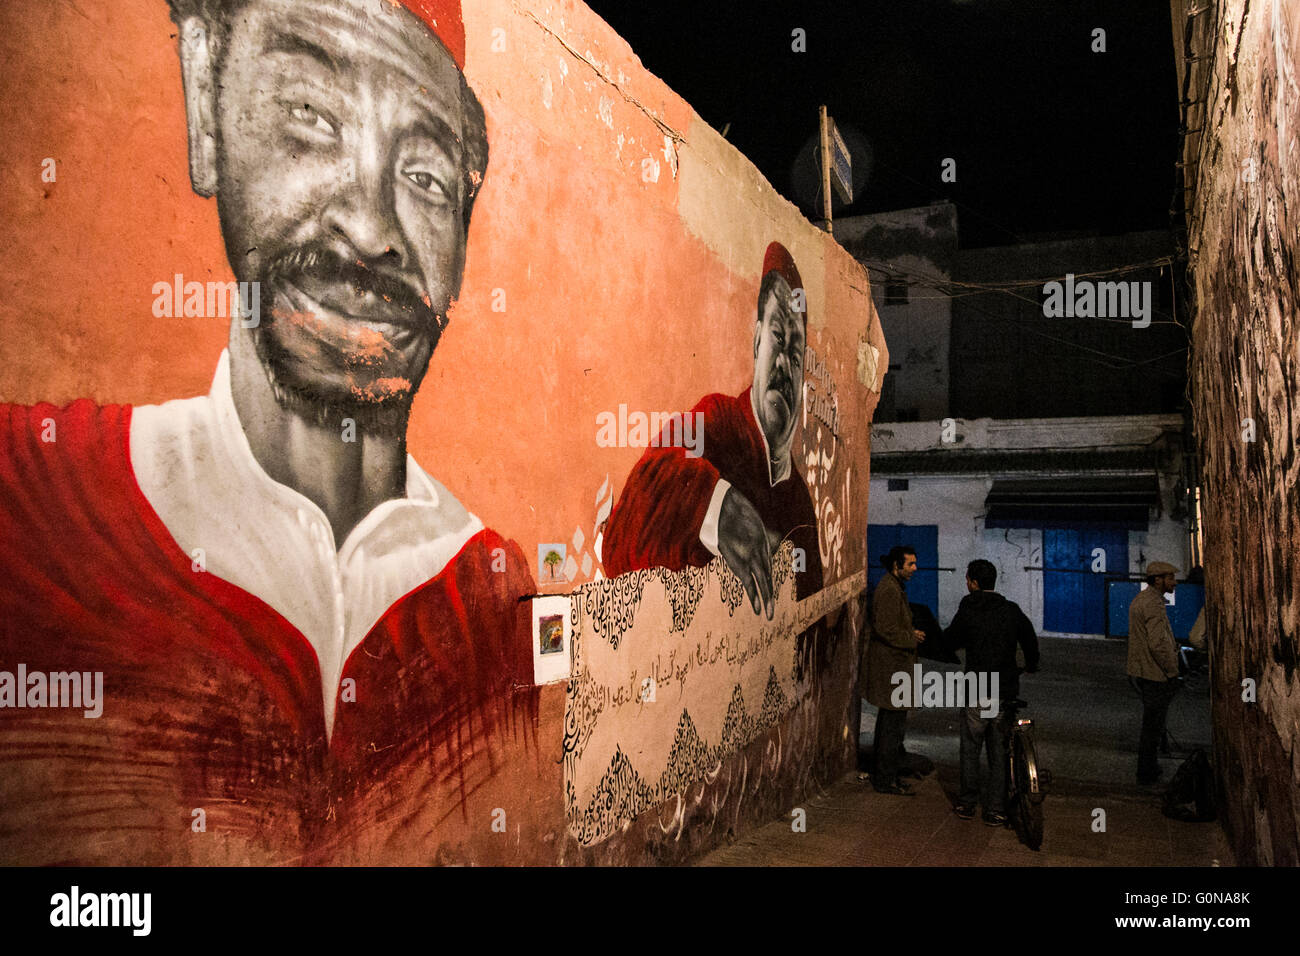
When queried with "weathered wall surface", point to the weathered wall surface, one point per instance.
{"points": [[612, 267], [1243, 179]]}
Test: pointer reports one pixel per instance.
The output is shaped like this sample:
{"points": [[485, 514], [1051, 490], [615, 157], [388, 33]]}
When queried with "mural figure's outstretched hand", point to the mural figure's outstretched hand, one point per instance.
{"points": [[743, 544]]}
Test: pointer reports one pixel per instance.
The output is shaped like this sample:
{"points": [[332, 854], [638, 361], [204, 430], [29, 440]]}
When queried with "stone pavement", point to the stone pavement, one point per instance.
{"points": [[1086, 721]]}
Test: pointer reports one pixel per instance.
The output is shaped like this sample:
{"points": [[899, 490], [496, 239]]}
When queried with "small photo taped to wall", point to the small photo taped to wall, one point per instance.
{"points": [[552, 637]]}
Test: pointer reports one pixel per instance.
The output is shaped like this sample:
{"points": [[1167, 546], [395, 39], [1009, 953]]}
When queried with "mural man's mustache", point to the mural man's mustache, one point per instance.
{"points": [[326, 265], [339, 283], [781, 383]]}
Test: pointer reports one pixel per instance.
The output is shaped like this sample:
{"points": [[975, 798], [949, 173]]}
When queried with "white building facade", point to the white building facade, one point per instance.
{"points": [[1069, 510]]}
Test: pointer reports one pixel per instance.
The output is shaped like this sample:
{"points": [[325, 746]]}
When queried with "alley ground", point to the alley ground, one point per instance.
{"points": [[1086, 721]]}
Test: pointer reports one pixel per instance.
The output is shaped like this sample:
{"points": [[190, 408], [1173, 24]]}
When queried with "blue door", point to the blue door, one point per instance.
{"points": [[1074, 595], [1188, 601], [924, 540]]}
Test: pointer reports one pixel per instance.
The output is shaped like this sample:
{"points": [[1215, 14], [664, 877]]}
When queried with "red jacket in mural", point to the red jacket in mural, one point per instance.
{"points": [[212, 700], [659, 515]]}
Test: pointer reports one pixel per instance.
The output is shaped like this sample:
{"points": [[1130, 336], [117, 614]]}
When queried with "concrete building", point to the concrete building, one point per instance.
{"points": [[910, 256], [1009, 432], [1015, 359]]}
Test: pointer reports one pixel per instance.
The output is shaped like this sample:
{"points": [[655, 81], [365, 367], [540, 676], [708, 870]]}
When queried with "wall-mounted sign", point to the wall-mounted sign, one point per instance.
{"points": [[841, 164]]}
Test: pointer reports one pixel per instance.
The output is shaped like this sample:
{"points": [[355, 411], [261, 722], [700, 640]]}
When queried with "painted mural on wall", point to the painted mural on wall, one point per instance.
{"points": [[830, 486], [286, 605], [314, 329], [715, 532], [734, 492], [646, 718]]}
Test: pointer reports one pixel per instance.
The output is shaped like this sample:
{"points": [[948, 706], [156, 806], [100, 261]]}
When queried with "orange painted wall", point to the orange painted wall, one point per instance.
{"points": [[609, 298]]}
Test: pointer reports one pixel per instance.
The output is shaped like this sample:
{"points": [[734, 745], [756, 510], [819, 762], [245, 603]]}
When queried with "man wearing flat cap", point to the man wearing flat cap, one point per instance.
{"points": [[308, 646], [1152, 663]]}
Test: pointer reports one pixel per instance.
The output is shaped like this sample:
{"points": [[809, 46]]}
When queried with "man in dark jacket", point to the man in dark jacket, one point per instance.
{"points": [[989, 627], [891, 650]]}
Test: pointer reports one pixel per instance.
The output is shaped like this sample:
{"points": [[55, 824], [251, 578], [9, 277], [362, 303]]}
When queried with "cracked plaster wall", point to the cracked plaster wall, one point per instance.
{"points": [[1243, 176]]}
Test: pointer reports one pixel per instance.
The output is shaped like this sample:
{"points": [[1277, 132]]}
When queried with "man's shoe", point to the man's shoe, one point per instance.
{"points": [[896, 789], [995, 819], [964, 810]]}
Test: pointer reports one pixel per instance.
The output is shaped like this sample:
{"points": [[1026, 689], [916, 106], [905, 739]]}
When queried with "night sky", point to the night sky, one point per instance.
{"points": [[1048, 136]]}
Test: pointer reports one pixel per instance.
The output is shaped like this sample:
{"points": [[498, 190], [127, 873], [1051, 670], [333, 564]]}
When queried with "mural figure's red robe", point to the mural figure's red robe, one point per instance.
{"points": [[662, 508], [212, 700]]}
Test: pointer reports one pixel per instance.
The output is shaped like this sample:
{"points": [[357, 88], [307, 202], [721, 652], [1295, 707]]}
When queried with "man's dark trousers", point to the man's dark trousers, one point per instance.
{"points": [[1156, 695], [988, 733], [888, 746]]}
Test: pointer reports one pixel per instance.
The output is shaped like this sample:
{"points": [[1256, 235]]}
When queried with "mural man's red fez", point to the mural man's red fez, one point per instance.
{"points": [[778, 259], [443, 18]]}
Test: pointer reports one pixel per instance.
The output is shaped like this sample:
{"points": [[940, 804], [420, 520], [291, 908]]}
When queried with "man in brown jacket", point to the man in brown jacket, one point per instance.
{"points": [[1152, 663], [891, 650]]}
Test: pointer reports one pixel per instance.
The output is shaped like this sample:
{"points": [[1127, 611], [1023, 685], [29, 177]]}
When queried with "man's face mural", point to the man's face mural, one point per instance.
{"points": [[778, 362], [346, 151]]}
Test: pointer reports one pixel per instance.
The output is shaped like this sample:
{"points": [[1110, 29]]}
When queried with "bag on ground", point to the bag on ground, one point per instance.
{"points": [[1190, 796]]}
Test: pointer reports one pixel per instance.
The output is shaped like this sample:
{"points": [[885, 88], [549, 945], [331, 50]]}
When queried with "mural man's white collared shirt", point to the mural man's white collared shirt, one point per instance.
{"points": [[193, 463], [709, 527]]}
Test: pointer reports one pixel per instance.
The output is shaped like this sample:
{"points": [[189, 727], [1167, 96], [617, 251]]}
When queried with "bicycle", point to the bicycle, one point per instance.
{"points": [[1026, 781]]}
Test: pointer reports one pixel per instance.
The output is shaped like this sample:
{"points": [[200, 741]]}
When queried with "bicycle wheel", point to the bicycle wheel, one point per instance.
{"points": [[1029, 800]]}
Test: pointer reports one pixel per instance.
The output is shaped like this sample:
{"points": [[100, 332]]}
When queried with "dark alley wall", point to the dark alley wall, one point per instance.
{"points": [[1242, 104]]}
